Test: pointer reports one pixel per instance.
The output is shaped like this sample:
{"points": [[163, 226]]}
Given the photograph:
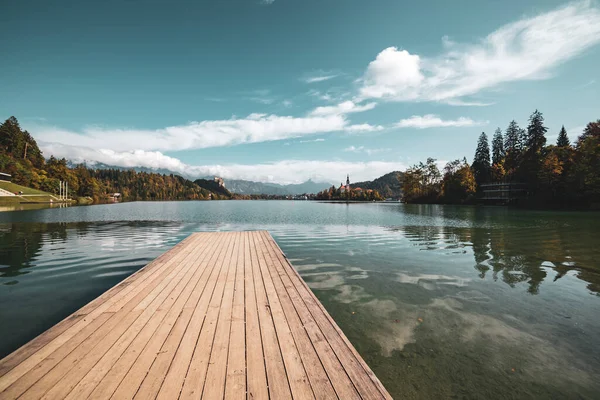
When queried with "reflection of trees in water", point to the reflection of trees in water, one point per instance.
{"points": [[21, 243], [506, 257], [517, 255]]}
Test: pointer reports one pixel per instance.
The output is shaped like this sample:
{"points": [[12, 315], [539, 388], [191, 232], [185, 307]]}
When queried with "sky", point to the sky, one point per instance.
{"points": [[287, 90]]}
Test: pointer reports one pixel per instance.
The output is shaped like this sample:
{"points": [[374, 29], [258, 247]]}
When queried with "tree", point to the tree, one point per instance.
{"points": [[533, 156], [563, 139], [458, 184], [536, 133], [421, 182], [586, 179], [497, 147], [481, 162], [591, 130], [512, 148]]}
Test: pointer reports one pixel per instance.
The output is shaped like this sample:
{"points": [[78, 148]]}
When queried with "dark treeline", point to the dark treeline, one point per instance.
{"points": [[334, 193], [561, 175], [21, 157]]}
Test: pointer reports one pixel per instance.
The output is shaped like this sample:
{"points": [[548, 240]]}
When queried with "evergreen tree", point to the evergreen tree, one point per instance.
{"points": [[534, 154], [512, 148], [563, 139], [536, 133], [511, 137], [481, 163], [497, 147]]}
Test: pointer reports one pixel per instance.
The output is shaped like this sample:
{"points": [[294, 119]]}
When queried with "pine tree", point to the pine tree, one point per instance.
{"points": [[497, 147], [481, 162], [563, 139], [536, 133], [512, 148], [533, 156], [511, 137]]}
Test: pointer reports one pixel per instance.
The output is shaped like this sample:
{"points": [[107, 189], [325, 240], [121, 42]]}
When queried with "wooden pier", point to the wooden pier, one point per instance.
{"points": [[219, 316]]}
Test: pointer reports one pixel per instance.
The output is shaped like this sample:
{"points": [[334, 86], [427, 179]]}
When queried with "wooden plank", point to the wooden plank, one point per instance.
{"points": [[65, 355], [167, 356], [256, 375], [235, 387], [126, 386], [361, 375], [214, 388], [277, 379], [46, 349], [318, 377], [120, 337], [294, 368], [117, 365], [161, 351], [182, 356], [46, 337], [335, 370], [193, 385]]}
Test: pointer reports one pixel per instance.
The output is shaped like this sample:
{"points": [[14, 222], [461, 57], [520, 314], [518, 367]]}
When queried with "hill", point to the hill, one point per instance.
{"points": [[214, 187], [388, 185]]}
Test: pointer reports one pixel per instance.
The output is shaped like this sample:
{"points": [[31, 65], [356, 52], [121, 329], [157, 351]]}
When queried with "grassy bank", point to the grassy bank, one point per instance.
{"points": [[26, 194], [14, 188]]}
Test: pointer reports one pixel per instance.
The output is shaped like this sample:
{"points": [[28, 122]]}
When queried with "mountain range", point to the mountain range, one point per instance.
{"points": [[239, 186], [249, 187]]}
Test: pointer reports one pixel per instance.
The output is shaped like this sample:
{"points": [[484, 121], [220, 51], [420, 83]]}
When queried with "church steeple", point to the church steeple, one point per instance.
{"points": [[348, 180]]}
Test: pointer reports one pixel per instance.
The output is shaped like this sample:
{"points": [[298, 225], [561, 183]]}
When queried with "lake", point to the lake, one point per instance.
{"points": [[441, 301]]}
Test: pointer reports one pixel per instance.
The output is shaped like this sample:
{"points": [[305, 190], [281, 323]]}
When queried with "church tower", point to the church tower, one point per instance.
{"points": [[348, 180]]}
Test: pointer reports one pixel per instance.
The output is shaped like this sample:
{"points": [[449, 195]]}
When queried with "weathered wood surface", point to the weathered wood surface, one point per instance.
{"points": [[221, 315]]}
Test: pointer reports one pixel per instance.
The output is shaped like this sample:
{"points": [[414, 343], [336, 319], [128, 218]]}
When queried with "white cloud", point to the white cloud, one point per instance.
{"points": [[287, 103], [363, 149], [393, 73], [458, 102], [363, 128], [528, 49], [311, 141], [433, 121], [267, 2], [319, 78], [285, 171], [195, 135], [346, 107]]}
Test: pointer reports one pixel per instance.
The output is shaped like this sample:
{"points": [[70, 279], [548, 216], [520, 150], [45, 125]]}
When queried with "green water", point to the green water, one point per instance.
{"points": [[442, 302]]}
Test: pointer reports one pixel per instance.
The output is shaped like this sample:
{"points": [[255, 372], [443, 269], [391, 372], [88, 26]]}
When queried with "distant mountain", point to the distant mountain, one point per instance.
{"points": [[239, 186], [98, 165], [388, 185], [250, 187]]}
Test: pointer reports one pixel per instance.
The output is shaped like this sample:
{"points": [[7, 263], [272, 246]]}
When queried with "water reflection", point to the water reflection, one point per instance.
{"points": [[421, 291], [514, 256]]}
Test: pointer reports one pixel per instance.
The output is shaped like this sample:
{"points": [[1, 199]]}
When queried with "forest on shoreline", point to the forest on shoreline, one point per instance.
{"points": [[21, 157], [561, 175]]}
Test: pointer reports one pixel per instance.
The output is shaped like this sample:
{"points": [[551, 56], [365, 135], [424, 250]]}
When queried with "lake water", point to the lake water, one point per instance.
{"points": [[440, 301]]}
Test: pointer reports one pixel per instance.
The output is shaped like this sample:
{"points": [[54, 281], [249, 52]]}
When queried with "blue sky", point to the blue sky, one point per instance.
{"points": [[288, 90]]}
